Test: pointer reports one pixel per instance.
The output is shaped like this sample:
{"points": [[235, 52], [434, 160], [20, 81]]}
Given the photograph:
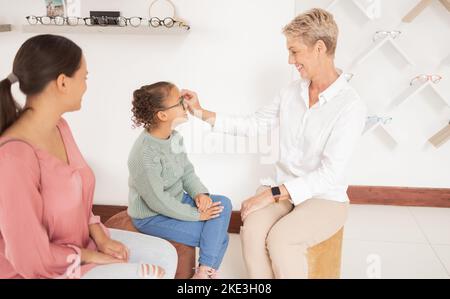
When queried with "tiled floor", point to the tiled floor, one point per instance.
{"points": [[382, 242]]}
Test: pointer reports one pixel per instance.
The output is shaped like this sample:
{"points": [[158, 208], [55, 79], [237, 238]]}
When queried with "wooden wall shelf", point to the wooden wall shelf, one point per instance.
{"points": [[442, 137], [421, 6]]}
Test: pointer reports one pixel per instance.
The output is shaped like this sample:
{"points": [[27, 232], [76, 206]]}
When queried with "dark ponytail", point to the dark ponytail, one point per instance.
{"points": [[9, 108], [40, 60]]}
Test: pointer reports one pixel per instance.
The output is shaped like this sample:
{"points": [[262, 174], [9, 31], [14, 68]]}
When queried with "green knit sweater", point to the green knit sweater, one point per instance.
{"points": [[160, 173]]}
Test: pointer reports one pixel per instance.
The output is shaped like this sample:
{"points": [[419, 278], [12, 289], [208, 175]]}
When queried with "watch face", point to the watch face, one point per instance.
{"points": [[276, 191]]}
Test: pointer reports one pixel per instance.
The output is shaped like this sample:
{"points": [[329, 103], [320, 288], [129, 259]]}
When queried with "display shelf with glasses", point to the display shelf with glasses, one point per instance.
{"points": [[374, 123], [105, 25], [380, 39], [5, 27], [420, 7], [371, 9], [111, 22], [142, 30], [442, 137], [418, 84]]}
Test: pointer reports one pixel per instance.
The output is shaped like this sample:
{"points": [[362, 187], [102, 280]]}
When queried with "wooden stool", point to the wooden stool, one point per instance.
{"points": [[186, 254], [324, 259]]}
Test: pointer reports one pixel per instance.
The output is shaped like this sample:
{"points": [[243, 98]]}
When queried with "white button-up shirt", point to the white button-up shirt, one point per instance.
{"points": [[315, 143]]}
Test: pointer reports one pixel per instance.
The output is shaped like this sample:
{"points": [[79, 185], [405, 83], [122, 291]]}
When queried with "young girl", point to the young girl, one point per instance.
{"points": [[166, 197]]}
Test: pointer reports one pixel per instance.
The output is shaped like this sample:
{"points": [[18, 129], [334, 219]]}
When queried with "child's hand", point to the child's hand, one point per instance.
{"points": [[213, 212], [203, 202]]}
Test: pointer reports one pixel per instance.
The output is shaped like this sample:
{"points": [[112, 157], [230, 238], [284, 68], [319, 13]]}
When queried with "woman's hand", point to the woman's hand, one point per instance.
{"points": [[114, 248], [192, 102], [95, 257], [203, 202], [256, 203], [211, 213], [194, 107]]}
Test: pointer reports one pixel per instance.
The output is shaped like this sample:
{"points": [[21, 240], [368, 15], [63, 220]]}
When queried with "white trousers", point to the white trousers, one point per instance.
{"points": [[144, 249]]}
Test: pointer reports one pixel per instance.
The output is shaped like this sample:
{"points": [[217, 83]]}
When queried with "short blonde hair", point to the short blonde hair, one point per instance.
{"points": [[314, 25]]}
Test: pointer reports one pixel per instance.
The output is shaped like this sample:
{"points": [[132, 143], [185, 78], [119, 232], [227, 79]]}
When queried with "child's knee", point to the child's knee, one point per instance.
{"points": [[225, 202]]}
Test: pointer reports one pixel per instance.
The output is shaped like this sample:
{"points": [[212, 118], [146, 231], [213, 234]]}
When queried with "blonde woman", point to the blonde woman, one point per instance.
{"points": [[320, 118]]}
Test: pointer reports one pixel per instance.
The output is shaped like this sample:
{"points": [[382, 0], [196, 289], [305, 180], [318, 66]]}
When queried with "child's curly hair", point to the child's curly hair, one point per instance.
{"points": [[147, 101]]}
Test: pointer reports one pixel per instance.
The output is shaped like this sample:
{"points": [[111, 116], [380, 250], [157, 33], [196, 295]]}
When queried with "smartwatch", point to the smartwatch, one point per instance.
{"points": [[276, 193]]}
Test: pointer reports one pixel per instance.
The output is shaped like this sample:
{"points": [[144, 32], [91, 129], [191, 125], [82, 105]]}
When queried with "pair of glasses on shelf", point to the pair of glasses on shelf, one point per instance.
{"points": [[166, 22], [425, 78], [383, 34], [377, 119]]}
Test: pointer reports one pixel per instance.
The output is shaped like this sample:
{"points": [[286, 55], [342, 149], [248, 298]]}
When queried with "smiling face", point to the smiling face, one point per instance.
{"points": [[305, 59], [311, 39]]}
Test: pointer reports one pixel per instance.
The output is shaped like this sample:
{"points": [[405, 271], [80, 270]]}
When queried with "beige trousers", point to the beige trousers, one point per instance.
{"points": [[275, 240]]}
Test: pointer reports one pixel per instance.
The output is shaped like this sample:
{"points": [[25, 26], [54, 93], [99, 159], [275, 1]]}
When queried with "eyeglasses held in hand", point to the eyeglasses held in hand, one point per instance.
{"points": [[383, 34], [425, 78], [180, 103]]}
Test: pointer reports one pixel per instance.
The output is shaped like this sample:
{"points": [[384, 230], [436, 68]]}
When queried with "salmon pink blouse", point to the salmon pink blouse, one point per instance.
{"points": [[45, 210]]}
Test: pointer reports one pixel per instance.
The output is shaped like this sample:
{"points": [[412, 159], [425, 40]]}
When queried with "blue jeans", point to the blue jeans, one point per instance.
{"points": [[210, 236]]}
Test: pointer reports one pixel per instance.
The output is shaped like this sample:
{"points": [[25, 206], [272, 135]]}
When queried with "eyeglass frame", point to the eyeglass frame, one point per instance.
{"points": [[377, 119], [128, 21], [77, 18], [180, 103], [392, 33], [426, 78], [161, 23], [105, 18]]}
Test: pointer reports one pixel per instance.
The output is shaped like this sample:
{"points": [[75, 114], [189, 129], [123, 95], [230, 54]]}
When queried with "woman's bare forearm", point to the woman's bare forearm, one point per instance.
{"points": [[97, 234]]}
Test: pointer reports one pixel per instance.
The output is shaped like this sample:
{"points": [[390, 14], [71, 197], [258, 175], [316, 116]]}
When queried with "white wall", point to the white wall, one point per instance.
{"points": [[235, 58]]}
